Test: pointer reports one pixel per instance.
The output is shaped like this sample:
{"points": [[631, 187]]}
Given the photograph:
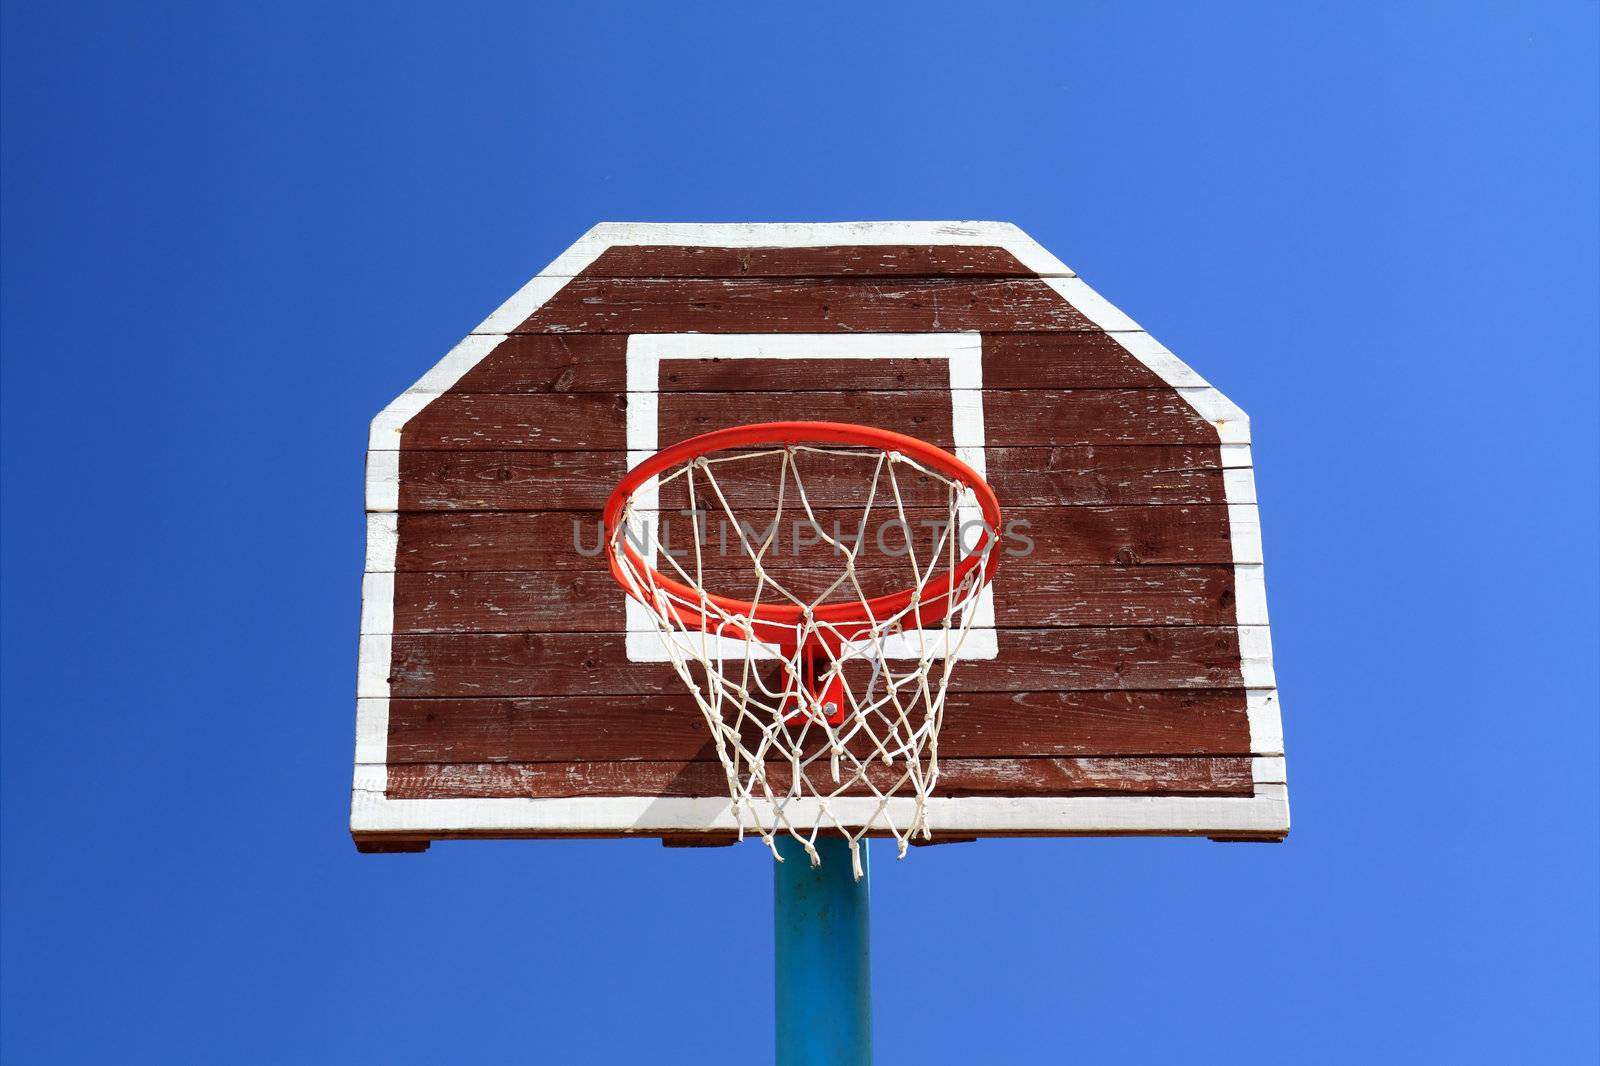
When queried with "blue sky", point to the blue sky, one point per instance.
{"points": [[232, 235]]}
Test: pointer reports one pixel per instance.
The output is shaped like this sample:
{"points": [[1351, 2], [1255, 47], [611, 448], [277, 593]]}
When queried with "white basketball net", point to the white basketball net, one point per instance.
{"points": [[789, 769]]}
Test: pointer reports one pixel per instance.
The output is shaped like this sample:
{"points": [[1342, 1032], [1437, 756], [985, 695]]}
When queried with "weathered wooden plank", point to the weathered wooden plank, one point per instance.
{"points": [[1043, 596], [534, 480], [1126, 535], [508, 480], [1058, 417], [590, 601], [925, 415], [567, 421], [1067, 659], [558, 420], [957, 777], [1130, 657], [1040, 417], [668, 725], [910, 305], [794, 375], [1106, 475], [887, 260], [539, 363], [596, 362], [1061, 536], [1010, 361], [1088, 360], [586, 601]]}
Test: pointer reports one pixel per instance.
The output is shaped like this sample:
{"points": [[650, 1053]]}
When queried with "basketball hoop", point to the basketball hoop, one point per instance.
{"points": [[824, 691]]}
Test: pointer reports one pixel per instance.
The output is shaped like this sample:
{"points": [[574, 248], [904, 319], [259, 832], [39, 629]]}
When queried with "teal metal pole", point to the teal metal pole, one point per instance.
{"points": [[824, 960]]}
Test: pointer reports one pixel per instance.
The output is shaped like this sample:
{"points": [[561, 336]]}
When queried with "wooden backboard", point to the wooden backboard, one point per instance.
{"points": [[1122, 683]]}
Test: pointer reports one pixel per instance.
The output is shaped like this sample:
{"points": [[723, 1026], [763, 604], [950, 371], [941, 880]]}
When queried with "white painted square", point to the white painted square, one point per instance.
{"points": [[962, 352]]}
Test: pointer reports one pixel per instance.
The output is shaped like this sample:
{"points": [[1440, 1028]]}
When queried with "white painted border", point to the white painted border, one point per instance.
{"points": [[962, 353], [371, 811], [1267, 812]]}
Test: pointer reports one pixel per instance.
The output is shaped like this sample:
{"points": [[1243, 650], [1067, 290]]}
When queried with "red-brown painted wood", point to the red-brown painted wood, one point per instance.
{"points": [[791, 375], [1039, 418], [534, 480], [596, 362], [677, 261], [1063, 536], [804, 305], [528, 664], [558, 421], [508, 480], [669, 725], [957, 777], [1026, 596], [1106, 475], [1119, 671], [559, 363], [1086, 360], [1010, 361]]}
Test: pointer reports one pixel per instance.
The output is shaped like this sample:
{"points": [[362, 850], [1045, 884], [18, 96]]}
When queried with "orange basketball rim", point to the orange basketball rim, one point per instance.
{"points": [[788, 626]]}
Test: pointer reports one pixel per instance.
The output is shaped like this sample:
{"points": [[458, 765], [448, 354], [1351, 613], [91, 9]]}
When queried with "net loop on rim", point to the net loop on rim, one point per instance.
{"points": [[824, 684]]}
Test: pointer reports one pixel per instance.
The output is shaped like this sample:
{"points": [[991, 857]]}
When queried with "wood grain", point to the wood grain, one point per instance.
{"points": [[536, 480], [1106, 475], [1090, 360], [957, 777], [508, 480], [575, 421], [803, 305], [562, 421], [791, 375], [596, 362], [1063, 536], [1070, 659], [535, 363], [1010, 361], [885, 260], [668, 725], [1120, 671], [591, 602]]}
